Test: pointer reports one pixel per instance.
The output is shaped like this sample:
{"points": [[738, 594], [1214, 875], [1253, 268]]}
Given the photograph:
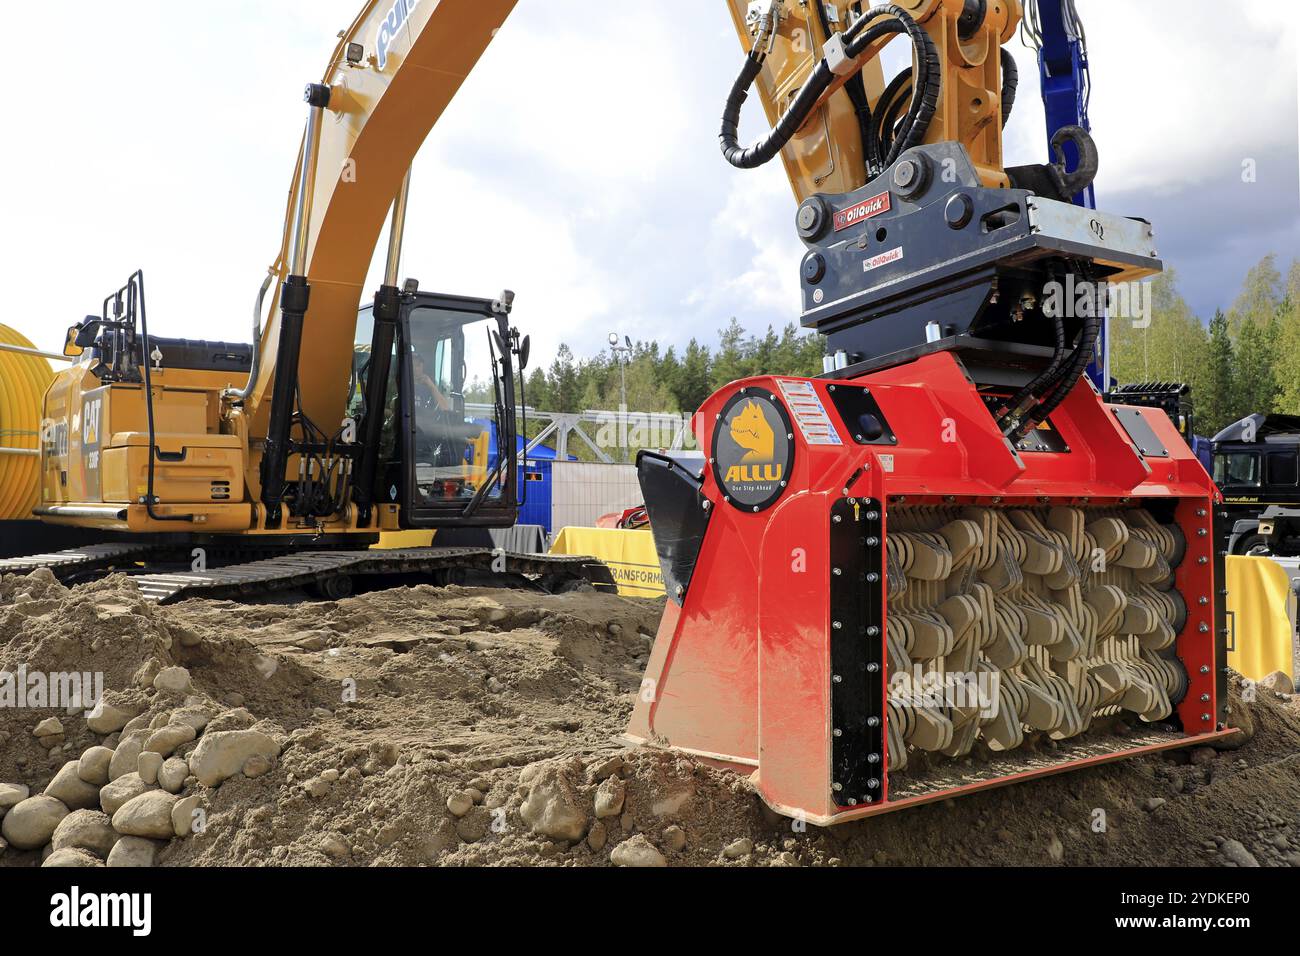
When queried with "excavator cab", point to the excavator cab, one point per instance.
{"points": [[447, 454]]}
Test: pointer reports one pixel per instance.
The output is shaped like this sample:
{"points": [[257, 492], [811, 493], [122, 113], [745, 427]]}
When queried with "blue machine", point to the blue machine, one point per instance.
{"points": [[535, 489], [1054, 27]]}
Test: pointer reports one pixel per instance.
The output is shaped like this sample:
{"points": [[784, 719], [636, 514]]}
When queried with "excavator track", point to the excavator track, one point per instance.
{"points": [[326, 569], [90, 558], [329, 572]]}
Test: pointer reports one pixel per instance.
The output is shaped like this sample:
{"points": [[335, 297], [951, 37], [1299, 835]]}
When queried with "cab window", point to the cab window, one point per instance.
{"points": [[1236, 468], [1282, 468]]}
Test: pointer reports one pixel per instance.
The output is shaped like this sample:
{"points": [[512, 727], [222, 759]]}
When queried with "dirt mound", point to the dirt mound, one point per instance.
{"points": [[454, 726]]}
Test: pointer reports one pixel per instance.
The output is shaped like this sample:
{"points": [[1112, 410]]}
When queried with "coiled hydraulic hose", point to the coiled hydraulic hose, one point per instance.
{"points": [[874, 25]]}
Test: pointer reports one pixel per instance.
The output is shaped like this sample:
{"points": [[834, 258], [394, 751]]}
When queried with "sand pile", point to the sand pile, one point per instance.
{"points": [[458, 726]]}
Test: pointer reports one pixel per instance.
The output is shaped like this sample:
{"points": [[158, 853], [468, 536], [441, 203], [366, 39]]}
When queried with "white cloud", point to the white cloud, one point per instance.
{"points": [[579, 165]]}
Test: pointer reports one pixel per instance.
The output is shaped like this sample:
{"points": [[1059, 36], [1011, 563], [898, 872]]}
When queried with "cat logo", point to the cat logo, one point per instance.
{"points": [[753, 450]]}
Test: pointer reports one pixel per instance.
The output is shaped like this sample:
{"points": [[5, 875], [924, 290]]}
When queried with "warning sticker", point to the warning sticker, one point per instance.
{"points": [[809, 413]]}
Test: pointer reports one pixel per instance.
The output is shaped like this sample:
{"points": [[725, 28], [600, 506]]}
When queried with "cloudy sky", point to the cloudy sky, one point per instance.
{"points": [[579, 166]]}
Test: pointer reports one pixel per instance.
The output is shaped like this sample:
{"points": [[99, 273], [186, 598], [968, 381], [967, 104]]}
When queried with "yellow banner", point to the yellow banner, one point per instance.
{"points": [[630, 555], [1261, 617]]}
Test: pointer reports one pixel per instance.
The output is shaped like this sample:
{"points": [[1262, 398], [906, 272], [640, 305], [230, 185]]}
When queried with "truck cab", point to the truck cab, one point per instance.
{"points": [[1257, 467]]}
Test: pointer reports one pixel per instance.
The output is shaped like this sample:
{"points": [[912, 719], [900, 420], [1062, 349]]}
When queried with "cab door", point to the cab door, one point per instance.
{"points": [[458, 462]]}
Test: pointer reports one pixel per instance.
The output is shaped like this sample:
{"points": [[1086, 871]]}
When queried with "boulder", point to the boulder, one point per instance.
{"points": [[222, 754], [166, 739], [108, 719], [609, 798], [72, 856], [133, 851], [637, 852], [551, 808], [124, 788], [126, 758], [183, 822], [148, 766], [148, 815], [12, 794], [172, 774], [30, 824], [93, 765], [85, 830], [69, 788], [172, 680]]}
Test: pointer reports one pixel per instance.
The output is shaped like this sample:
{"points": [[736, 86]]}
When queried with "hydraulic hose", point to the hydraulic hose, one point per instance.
{"points": [[1010, 83], [857, 38]]}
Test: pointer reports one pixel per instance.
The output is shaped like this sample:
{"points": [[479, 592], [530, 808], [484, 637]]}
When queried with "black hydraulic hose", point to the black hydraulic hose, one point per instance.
{"points": [[857, 39], [1010, 83], [770, 145], [138, 280], [1044, 379]]}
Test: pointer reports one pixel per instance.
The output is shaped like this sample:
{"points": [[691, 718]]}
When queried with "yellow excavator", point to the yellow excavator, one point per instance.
{"points": [[278, 464], [942, 565]]}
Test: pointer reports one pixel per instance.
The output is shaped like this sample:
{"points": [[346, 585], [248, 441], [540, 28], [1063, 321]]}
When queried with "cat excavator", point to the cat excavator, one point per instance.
{"points": [[944, 564], [278, 464]]}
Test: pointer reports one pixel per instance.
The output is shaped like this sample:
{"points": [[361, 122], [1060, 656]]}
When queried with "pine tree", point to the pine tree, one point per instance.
{"points": [[1214, 405]]}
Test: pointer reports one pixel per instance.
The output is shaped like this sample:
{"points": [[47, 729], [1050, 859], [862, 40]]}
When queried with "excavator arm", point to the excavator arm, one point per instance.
{"points": [[818, 72], [392, 75]]}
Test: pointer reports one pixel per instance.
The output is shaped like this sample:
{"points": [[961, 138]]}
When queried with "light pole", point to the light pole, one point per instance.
{"points": [[622, 354]]}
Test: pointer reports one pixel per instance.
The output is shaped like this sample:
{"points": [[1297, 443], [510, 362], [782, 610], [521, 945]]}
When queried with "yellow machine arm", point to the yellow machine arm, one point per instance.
{"points": [[804, 50], [393, 74]]}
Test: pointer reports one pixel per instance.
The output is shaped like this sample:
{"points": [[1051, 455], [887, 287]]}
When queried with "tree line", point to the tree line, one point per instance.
{"points": [[1242, 361]]}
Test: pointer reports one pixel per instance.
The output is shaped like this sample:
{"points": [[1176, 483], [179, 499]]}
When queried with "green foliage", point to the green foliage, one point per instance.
{"points": [[666, 382], [1247, 361]]}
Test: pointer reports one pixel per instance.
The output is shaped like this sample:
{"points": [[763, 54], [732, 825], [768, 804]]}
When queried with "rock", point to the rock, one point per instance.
{"points": [[172, 774], [738, 848], [148, 766], [85, 830], [172, 680], [124, 788], [166, 739], [551, 807], [194, 715], [1243, 720], [30, 824], [1153, 804], [597, 836], [671, 804], [255, 766], [72, 856], [335, 847], [1202, 755], [222, 754], [148, 815], [12, 794], [183, 821], [126, 758], [93, 765], [636, 851], [1278, 682], [49, 727], [460, 803], [109, 719], [606, 767], [675, 838], [71, 790], [1234, 852], [1055, 850], [609, 798], [132, 851]]}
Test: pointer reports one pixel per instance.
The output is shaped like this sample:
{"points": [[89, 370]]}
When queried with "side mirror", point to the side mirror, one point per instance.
{"points": [[70, 347], [86, 332], [524, 347]]}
